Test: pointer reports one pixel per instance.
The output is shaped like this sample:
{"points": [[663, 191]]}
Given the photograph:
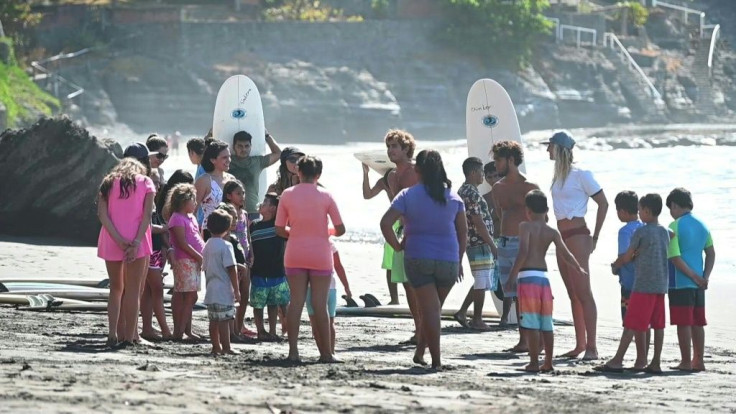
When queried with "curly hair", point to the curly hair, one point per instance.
{"points": [[126, 171], [405, 140], [434, 177], [177, 198], [509, 149]]}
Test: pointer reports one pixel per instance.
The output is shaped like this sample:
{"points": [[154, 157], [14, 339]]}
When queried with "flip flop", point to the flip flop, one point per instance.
{"points": [[606, 368], [515, 350], [678, 368], [462, 322], [649, 370]]}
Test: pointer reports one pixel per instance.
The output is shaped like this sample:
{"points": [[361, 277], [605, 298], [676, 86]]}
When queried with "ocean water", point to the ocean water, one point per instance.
{"points": [[707, 171]]}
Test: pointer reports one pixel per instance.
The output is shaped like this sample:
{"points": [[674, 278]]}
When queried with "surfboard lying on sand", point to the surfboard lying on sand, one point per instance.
{"points": [[376, 160], [45, 302], [490, 117], [100, 284], [399, 311], [239, 108], [75, 292]]}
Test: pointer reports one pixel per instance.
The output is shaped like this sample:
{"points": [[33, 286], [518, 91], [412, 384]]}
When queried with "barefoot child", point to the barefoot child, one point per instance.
{"points": [[222, 281], [269, 285], [188, 244], [233, 194], [240, 265], [331, 298], [627, 209], [534, 292], [648, 251]]}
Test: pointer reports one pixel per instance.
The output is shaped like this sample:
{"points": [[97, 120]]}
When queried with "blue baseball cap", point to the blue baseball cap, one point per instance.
{"points": [[563, 139], [138, 151]]}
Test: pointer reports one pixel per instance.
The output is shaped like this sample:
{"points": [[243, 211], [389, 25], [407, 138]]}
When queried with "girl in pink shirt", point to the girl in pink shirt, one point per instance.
{"points": [[305, 208], [124, 207], [188, 245]]}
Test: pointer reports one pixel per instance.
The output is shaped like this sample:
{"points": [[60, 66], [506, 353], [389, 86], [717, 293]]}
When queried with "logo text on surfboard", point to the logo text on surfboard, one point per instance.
{"points": [[484, 107], [238, 113], [245, 97], [490, 121]]}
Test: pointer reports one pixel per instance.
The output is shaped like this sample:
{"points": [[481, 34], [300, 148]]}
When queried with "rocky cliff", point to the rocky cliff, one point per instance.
{"points": [[340, 81]]}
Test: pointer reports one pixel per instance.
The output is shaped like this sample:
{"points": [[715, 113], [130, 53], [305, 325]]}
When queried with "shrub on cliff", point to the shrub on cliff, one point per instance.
{"points": [[498, 31], [22, 98]]}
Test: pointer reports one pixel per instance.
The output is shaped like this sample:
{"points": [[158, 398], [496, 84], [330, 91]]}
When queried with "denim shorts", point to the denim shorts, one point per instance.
{"points": [[422, 272]]}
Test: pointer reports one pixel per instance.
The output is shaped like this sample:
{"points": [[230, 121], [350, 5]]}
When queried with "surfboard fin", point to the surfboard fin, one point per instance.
{"points": [[350, 302], [372, 299]]}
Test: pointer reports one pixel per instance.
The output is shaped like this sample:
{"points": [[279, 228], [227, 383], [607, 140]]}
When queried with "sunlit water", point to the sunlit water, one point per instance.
{"points": [[708, 172]]}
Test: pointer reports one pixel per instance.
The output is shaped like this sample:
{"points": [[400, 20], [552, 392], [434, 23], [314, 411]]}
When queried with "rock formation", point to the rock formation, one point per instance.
{"points": [[51, 173]]}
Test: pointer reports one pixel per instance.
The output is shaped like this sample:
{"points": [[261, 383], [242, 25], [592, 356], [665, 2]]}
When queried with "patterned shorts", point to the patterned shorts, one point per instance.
{"points": [[187, 277], [157, 260], [268, 292], [220, 313]]}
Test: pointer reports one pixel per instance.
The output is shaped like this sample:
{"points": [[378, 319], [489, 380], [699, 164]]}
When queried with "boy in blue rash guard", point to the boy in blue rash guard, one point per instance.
{"points": [[627, 209]]}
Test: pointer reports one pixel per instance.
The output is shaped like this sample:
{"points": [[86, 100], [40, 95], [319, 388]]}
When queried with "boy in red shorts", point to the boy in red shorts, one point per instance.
{"points": [[689, 278], [648, 251]]}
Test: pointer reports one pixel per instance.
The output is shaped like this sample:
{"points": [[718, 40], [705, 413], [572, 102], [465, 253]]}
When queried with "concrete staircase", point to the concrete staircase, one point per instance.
{"points": [[704, 102]]}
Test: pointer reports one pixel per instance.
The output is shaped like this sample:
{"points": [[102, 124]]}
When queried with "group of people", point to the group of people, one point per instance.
{"points": [[213, 223], [278, 253]]}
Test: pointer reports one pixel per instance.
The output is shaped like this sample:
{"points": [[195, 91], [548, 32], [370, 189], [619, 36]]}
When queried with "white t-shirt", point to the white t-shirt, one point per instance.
{"points": [[218, 256], [571, 198]]}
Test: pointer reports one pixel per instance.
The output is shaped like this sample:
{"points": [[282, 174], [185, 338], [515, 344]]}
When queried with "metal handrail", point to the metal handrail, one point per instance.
{"points": [[580, 30], [652, 90], [77, 90], [711, 51], [37, 65], [687, 12], [560, 31]]}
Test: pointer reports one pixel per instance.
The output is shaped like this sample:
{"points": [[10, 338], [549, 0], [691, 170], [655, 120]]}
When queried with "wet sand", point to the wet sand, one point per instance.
{"points": [[57, 362]]}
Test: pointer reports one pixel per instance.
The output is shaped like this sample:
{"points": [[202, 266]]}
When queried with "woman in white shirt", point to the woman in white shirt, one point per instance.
{"points": [[571, 189]]}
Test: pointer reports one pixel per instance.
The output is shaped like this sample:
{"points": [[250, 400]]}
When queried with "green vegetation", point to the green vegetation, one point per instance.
{"points": [[302, 10], [22, 98], [501, 32], [634, 11]]}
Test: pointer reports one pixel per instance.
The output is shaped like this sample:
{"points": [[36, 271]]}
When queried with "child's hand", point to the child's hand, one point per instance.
{"points": [[510, 286], [237, 296], [122, 243], [348, 293], [614, 269], [460, 274], [701, 282]]}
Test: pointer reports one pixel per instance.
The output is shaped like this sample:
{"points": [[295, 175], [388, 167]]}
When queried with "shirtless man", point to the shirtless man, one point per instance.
{"points": [[400, 146], [508, 199], [533, 288], [388, 253]]}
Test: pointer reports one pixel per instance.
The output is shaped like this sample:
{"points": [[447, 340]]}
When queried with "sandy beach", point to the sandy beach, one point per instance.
{"points": [[57, 362]]}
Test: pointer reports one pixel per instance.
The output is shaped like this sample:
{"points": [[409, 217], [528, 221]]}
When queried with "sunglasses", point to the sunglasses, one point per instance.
{"points": [[293, 158], [162, 156]]}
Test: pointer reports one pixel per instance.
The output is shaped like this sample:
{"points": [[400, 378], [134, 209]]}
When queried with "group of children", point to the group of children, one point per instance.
{"points": [[653, 261]]}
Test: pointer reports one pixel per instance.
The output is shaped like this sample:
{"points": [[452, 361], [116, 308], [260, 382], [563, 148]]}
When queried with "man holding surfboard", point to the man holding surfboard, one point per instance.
{"points": [[247, 168], [508, 196], [400, 146]]}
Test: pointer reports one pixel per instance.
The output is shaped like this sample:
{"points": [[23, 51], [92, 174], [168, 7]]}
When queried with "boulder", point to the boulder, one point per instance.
{"points": [[51, 173]]}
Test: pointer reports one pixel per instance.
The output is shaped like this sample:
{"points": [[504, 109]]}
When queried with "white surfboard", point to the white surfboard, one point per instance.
{"points": [[490, 118], [376, 160], [395, 311], [239, 108]]}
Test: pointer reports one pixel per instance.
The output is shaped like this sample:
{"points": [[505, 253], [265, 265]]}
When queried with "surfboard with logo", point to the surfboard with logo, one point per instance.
{"points": [[490, 118], [239, 108]]}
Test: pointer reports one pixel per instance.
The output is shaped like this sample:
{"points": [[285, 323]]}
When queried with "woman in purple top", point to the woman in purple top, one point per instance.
{"points": [[434, 243]]}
